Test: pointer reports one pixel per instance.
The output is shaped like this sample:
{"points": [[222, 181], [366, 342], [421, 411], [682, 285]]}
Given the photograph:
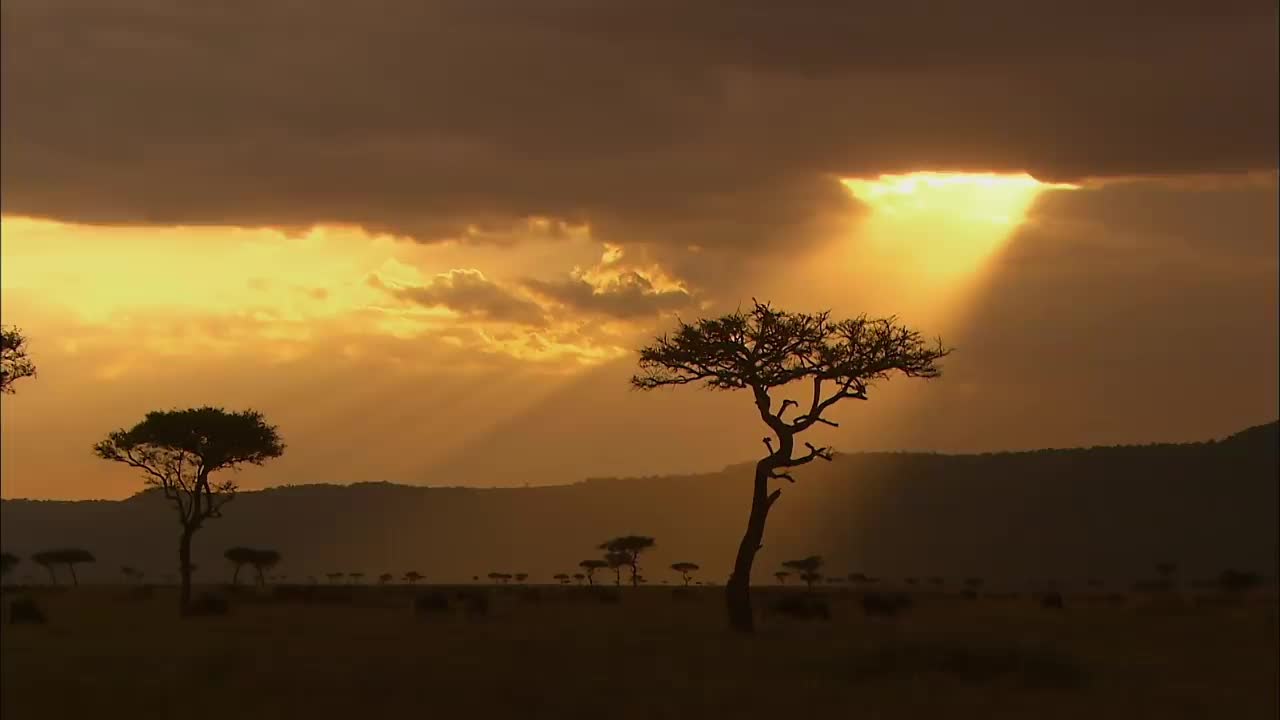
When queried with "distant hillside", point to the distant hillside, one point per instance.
{"points": [[1107, 512]]}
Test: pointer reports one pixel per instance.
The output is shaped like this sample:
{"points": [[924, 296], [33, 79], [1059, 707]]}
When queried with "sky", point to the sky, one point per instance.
{"points": [[426, 238]]}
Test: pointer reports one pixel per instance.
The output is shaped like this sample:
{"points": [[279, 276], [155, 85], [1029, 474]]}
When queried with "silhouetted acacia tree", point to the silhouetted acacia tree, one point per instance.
{"points": [[15, 364], [63, 556], [412, 577], [615, 561], [685, 569], [385, 578], [1238, 581], [264, 560], [178, 450], [591, 566], [521, 577], [631, 546], [764, 350], [355, 577], [579, 577], [562, 577], [782, 576], [808, 568], [8, 561], [500, 577], [334, 576], [239, 557], [44, 560]]}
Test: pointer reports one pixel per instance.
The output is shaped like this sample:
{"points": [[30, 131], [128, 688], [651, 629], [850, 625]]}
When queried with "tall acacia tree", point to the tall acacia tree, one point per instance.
{"points": [[178, 452], [763, 351], [15, 364]]}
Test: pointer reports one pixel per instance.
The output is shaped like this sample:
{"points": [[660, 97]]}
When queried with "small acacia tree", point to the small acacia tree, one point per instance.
{"points": [[762, 351], [412, 577], [579, 577], [809, 569], [239, 557], [591, 566], [385, 578], [15, 364], [63, 556], [686, 570], [615, 561], [782, 576], [8, 561], [521, 577], [264, 560], [563, 578], [178, 452], [631, 546]]}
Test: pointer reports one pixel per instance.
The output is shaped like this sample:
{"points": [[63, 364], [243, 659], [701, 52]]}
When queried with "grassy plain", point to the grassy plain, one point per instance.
{"points": [[363, 653]]}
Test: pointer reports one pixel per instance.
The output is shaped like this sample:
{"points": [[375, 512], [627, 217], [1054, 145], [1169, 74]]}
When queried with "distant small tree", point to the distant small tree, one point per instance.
{"points": [[591, 566], [15, 364], [355, 577], [562, 577], [765, 350], [385, 578], [911, 581], [1238, 581], [579, 577], [615, 561], [412, 577], [632, 546], [334, 576], [63, 556], [521, 577], [808, 568], [500, 577], [685, 569], [8, 561], [180, 450], [239, 557], [131, 573], [264, 560], [782, 576]]}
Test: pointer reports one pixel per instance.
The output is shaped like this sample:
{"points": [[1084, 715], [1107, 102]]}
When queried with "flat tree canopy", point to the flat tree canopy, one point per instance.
{"points": [[763, 350], [178, 451]]}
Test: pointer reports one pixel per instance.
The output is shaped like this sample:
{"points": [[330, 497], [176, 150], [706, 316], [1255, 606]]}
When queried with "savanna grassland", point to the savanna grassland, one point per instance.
{"points": [[364, 652]]}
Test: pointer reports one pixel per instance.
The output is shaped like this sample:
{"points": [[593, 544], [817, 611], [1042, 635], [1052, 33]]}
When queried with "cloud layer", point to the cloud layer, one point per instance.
{"points": [[710, 124]]}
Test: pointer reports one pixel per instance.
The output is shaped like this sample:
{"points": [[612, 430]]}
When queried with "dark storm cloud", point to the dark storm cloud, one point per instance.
{"points": [[694, 123], [468, 293]]}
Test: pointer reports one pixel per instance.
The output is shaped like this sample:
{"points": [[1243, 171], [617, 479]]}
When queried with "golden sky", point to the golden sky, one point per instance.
{"points": [[431, 264]]}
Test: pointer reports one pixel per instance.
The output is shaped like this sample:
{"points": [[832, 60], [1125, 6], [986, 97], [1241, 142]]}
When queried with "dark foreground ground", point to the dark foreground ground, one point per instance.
{"points": [[362, 652]]}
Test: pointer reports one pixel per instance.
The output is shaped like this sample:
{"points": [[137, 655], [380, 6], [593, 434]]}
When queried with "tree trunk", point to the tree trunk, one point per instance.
{"points": [[635, 574], [184, 567], [738, 590], [75, 581], [235, 576]]}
